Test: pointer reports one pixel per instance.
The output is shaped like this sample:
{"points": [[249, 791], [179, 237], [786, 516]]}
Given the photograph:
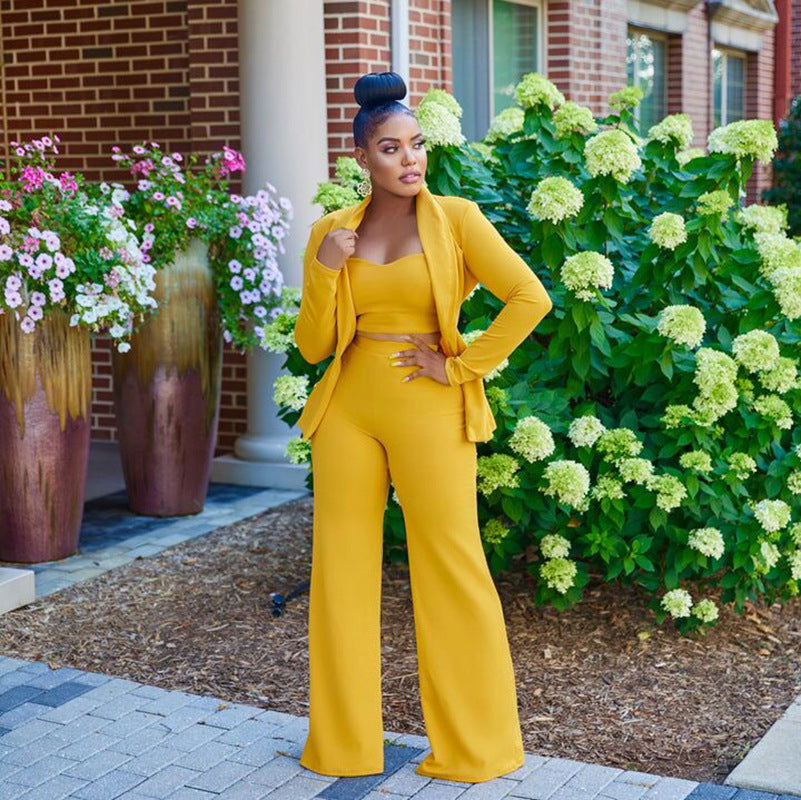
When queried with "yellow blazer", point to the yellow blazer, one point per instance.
{"points": [[462, 248]]}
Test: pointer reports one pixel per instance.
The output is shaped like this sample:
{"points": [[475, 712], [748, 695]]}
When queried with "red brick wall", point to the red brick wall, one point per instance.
{"points": [[587, 49], [759, 105], [103, 73], [795, 62]]}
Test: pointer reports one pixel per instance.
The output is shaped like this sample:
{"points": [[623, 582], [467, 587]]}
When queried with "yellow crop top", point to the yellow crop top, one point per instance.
{"points": [[393, 298]]}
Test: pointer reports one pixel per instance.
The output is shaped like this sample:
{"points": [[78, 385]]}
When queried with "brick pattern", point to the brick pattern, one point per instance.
{"points": [[795, 61]]}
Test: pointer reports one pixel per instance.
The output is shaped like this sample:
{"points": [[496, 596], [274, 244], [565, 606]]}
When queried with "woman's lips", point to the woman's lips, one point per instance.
{"points": [[410, 178]]}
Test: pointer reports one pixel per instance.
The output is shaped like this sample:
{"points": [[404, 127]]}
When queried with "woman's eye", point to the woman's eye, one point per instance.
{"points": [[393, 148]]}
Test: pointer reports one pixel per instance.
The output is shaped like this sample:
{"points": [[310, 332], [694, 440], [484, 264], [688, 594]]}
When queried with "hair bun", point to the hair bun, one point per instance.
{"points": [[375, 88]]}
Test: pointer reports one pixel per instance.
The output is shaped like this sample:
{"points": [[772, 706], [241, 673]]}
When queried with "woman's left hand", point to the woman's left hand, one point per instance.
{"points": [[432, 362]]}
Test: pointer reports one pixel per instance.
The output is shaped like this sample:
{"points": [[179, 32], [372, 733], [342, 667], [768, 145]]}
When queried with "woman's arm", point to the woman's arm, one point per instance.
{"points": [[498, 267], [316, 325]]}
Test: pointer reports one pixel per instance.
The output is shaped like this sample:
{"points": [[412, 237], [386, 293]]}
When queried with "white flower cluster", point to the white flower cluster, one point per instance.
{"points": [[684, 324]]}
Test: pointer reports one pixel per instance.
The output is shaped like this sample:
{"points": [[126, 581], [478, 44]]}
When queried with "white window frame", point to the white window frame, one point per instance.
{"points": [[541, 44], [637, 30], [725, 52]]}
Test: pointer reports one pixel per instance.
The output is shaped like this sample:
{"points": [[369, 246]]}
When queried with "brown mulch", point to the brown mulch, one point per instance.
{"points": [[198, 617]]}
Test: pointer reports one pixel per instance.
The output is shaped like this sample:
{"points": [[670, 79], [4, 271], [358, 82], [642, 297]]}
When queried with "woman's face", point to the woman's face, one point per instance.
{"points": [[395, 149]]}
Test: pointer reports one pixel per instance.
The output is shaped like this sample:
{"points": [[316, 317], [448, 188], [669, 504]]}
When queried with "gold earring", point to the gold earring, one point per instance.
{"points": [[366, 186]]}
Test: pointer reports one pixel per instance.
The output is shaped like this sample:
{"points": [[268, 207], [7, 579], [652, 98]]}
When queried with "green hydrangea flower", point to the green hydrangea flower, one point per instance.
{"points": [[795, 533], [348, 171], [616, 444], [612, 153], [586, 272], [696, 460], [673, 416], [715, 373], [555, 198], [667, 230], [787, 290], [756, 350], [495, 471], [794, 562], [772, 515], [298, 451], [567, 481], [716, 202], [439, 125], [497, 394], [571, 117], [683, 324], [763, 218], [532, 439], [584, 431], [558, 573], [767, 558], [607, 487], [705, 610], [505, 123], [776, 250], [636, 470], [494, 531], [742, 465], [445, 99], [553, 545], [670, 491], [534, 89], [677, 602], [291, 391], [745, 138], [775, 409], [782, 377], [675, 128], [627, 97], [708, 541], [333, 196], [279, 334], [794, 482]]}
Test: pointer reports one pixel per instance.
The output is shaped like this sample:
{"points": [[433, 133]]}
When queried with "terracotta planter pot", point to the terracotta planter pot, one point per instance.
{"points": [[45, 397], [167, 392]]}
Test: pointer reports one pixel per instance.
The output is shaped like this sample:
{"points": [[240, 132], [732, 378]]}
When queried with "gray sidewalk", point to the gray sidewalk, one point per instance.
{"points": [[67, 733]]}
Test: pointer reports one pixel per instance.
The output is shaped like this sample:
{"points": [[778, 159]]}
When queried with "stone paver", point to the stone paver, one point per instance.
{"points": [[96, 737]]}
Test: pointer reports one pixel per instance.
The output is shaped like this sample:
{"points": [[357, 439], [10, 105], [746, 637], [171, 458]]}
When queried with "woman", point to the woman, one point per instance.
{"points": [[409, 414]]}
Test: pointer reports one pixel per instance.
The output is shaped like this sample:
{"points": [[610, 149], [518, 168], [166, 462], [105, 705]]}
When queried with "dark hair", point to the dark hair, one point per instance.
{"points": [[378, 94]]}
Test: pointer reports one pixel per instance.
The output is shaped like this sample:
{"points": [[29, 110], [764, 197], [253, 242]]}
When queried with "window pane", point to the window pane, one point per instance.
{"points": [[631, 56], [717, 84], [735, 87], [514, 38], [652, 81], [469, 34], [646, 68]]}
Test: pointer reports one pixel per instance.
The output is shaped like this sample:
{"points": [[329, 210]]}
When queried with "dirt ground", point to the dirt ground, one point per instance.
{"points": [[198, 617]]}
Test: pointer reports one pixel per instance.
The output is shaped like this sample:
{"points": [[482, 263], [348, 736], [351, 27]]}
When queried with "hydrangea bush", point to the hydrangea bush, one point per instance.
{"points": [[67, 246], [177, 199], [647, 429]]}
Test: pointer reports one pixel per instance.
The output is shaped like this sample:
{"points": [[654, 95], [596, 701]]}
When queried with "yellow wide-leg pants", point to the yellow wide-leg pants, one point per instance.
{"points": [[378, 428]]}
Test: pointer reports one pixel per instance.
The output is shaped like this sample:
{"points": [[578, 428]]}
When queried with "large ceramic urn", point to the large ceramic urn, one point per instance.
{"points": [[167, 391], [45, 404]]}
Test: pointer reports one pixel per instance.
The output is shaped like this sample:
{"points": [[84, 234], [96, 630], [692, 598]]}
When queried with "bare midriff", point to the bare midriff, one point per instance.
{"points": [[432, 338]]}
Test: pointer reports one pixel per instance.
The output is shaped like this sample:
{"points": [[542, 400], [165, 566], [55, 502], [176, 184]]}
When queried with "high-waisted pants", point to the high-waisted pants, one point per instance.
{"points": [[376, 429]]}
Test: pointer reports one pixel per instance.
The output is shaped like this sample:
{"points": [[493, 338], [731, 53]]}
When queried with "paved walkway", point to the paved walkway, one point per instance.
{"points": [[67, 733]]}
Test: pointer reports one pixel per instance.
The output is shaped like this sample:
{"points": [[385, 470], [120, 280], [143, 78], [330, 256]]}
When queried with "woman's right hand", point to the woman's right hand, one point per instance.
{"points": [[337, 247]]}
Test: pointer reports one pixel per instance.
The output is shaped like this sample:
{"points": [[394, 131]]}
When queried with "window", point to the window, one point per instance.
{"points": [[495, 43], [646, 67], [728, 78]]}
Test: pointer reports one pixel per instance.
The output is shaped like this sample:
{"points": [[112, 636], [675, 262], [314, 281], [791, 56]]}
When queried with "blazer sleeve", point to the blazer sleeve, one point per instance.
{"points": [[316, 324], [494, 264]]}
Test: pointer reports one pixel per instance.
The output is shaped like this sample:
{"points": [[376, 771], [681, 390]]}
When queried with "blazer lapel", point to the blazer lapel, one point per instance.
{"points": [[442, 262]]}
